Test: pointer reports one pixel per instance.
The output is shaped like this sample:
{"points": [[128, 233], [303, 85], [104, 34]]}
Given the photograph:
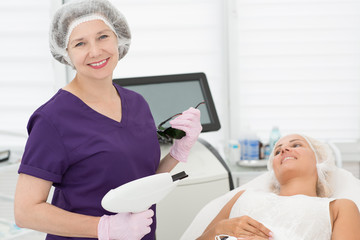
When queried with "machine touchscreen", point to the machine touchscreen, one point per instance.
{"points": [[171, 94]]}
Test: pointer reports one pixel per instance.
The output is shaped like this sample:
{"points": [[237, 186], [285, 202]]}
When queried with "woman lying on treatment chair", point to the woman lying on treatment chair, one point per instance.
{"points": [[298, 208]]}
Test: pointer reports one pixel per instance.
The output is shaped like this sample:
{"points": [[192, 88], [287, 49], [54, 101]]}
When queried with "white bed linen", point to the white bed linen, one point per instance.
{"points": [[295, 217]]}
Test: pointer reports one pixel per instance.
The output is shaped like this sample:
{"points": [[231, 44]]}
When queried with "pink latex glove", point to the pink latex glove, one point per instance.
{"points": [[189, 122], [125, 226]]}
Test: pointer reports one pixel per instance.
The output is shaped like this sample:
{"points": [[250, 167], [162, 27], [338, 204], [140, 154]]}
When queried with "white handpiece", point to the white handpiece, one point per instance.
{"points": [[139, 195]]}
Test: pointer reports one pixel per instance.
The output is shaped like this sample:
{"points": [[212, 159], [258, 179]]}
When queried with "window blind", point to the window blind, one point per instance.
{"points": [[27, 77], [296, 66], [293, 64]]}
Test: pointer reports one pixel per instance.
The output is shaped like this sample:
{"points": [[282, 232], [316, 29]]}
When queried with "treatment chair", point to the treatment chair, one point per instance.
{"points": [[343, 183]]}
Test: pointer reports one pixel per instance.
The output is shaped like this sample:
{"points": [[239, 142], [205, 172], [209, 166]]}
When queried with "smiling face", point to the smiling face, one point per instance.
{"points": [[93, 50], [293, 157]]}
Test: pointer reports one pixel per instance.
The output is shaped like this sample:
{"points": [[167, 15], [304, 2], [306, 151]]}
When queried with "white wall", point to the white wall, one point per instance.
{"points": [[290, 63], [27, 78], [296, 65]]}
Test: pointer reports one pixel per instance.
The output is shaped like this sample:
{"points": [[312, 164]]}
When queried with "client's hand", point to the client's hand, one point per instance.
{"points": [[244, 227], [125, 226], [189, 122]]}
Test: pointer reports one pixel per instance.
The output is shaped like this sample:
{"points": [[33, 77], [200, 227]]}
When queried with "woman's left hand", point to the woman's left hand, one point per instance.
{"points": [[189, 122], [244, 227]]}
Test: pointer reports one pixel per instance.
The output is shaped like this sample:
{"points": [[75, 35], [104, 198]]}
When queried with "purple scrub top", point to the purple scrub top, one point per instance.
{"points": [[85, 154]]}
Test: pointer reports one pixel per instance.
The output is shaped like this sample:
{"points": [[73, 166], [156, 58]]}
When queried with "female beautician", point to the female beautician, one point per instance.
{"points": [[92, 136]]}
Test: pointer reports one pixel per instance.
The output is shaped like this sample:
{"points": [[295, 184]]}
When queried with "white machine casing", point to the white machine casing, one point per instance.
{"points": [[207, 180]]}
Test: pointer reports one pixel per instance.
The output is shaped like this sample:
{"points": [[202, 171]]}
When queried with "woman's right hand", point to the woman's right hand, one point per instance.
{"points": [[243, 227], [125, 226]]}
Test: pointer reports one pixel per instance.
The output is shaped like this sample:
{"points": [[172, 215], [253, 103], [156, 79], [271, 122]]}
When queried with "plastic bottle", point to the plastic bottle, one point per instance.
{"points": [[253, 146], [274, 137], [267, 151], [243, 142], [234, 152], [249, 145]]}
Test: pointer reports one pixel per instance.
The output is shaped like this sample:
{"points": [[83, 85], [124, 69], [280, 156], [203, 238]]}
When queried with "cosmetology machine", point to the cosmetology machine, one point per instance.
{"points": [[208, 175]]}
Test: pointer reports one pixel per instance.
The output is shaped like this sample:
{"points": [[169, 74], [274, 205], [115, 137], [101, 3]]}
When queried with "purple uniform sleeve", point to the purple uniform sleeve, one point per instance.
{"points": [[44, 155]]}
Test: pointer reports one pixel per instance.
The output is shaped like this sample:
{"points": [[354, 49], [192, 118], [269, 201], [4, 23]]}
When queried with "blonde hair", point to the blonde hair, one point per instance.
{"points": [[325, 164]]}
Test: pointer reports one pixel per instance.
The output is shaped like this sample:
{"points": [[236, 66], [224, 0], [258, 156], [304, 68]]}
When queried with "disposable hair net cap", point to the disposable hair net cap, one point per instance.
{"points": [[74, 13], [325, 164]]}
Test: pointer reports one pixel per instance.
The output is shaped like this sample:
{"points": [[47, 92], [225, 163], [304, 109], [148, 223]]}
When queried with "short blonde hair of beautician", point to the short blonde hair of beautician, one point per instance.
{"points": [[325, 164]]}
